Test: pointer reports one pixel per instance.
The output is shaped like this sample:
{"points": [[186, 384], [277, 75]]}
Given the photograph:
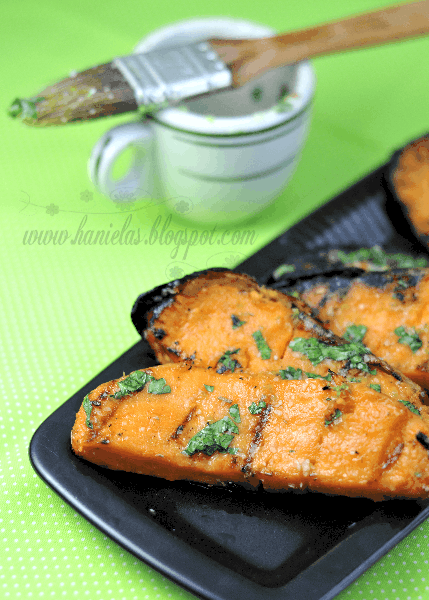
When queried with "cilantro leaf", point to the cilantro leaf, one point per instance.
{"points": [[158, 386], [355, 333], [328, 377], [234, 412], [262, 345], [375, 386], [410, 406], [136, 382], [290, 373], [133, 383], [87, 407], [334, 417], [236, 322], [256, 409], [209, 388], [409, 338], [214, 437], [316, 351], [381, 260], [282, 270], [24, 108], [226, 363], [340, 388]]}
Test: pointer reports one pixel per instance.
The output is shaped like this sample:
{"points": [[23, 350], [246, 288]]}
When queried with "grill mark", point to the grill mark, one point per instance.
{"points": [[173, 351], [111, 414], [181, 427], [313, 324], [256, 441], [323, 301], [423, 439], [396, 375]]}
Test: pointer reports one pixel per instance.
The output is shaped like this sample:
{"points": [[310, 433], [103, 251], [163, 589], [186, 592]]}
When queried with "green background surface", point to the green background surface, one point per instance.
{"points": [[65, 308]]}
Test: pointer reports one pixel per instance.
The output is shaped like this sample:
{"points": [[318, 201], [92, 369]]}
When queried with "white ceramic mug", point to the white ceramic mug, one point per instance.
{"points": [[222, 157]]}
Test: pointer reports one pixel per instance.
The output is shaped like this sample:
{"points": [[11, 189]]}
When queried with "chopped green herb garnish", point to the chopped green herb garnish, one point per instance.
{"points": [[233, 450], [234, 412], [337, 414], [256, 409], [401, 283], [209, 388], [290, 373], [262, 345], [87, 407], [158, 386], [327, 377], [282, 270], [410, 406], [226, 363], [236, 322], [340, 388], [355, 333], [24, 109], [133, 383], [375, 386], [136, 382], [381, 260], [214, 437], [410, 338], [316, 351]]}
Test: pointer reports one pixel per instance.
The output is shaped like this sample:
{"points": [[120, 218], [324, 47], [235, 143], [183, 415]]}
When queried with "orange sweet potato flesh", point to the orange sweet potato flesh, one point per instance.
{"points": [[373, 448], [198, 326], [381, 310]]}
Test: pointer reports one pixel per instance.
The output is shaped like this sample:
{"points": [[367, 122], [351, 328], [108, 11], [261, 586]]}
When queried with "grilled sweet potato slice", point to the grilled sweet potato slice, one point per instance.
{"points": [[410, 181], [181, 422], [392, 308], [224, 320]]}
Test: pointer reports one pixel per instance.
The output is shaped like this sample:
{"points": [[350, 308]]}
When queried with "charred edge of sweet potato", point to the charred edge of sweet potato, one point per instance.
{"points": [[290, 281], [149, 306], [340, 283]]}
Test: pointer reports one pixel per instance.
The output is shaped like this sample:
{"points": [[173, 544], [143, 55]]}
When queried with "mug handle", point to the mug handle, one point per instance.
{"points": [[139, 181]]}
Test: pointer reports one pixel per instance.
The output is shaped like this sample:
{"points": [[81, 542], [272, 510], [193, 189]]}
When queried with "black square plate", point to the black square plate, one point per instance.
{"points": [[231, 543]]}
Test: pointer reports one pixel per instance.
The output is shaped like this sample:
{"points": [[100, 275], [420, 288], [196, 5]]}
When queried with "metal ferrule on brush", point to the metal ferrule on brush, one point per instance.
{"points": [[171, 74]]}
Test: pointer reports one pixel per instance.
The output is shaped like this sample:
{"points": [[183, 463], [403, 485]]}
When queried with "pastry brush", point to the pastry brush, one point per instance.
{"points": [[152, 80]]}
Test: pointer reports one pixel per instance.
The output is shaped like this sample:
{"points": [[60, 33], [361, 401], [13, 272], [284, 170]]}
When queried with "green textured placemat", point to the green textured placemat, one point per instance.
{"points": [[65, 306]]}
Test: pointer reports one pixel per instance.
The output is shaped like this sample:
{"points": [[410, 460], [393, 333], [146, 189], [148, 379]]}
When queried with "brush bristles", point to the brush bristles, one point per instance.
{"points": [[97, 92]]}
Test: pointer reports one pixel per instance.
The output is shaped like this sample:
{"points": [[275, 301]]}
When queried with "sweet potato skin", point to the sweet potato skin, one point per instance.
{"points": [[369, 449], [382, 303], [196, 324]]}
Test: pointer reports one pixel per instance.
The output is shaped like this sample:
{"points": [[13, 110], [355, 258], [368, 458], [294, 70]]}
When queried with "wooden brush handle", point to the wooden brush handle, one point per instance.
{"points": [[249, 58]]}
